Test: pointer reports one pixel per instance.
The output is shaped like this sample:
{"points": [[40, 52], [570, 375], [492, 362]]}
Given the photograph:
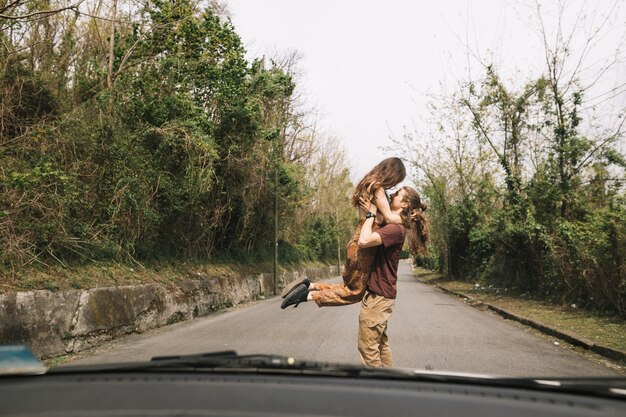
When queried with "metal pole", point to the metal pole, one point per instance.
{"points": [[276, 228], [338, 249]]}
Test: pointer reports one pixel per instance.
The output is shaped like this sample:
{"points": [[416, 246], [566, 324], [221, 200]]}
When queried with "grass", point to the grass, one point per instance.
{"points": [[605, 330], [110, 274]]}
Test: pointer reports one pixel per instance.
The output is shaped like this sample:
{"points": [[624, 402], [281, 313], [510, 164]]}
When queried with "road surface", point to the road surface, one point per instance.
{"points": [[428, 330]]}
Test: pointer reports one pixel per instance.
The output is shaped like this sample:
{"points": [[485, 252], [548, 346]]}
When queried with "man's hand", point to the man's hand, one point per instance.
{"points": [[364, 203]]}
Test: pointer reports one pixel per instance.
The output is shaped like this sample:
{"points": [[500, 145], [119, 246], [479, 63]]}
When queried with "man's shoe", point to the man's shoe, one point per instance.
{"points": [[297, 296], [293, 285]]}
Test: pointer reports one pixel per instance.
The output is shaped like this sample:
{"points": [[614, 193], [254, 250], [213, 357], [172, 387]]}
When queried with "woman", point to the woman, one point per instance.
{"points": [[359, 261]]}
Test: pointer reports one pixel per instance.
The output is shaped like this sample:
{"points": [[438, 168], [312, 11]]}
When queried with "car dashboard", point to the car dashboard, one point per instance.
{"points": [[232, 393]]}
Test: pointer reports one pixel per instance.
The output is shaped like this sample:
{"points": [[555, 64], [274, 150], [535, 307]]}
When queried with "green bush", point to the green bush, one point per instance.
{"points": [[181, 157]]}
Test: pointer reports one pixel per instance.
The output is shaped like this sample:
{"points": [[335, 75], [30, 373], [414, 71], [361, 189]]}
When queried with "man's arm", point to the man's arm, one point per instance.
{"points": [[367, 238]]}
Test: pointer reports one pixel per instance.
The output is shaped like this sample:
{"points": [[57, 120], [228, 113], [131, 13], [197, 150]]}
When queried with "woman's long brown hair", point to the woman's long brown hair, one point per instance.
{"points": [[418, 232], [386, 174]]}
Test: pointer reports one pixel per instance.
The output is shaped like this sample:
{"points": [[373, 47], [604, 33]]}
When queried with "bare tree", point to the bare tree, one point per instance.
{"points": [[111, 43], [570, 84]]}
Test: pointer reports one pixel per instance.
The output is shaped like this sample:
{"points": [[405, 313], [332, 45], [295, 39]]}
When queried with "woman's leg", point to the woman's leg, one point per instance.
{"points": [[356, 273], [337, 297], [322, 286]]}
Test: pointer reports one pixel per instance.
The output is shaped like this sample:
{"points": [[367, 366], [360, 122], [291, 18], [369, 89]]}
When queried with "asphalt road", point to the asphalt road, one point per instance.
{"points": [[428, 330]]}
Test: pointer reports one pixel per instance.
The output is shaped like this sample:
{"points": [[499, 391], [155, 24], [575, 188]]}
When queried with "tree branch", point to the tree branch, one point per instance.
{"points": [[481, 128], [8, 6], [600, 146], [44, 12]]}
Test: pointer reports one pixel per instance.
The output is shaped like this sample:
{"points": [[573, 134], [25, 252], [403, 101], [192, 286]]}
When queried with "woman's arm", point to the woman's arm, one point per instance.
{"points": [[383, 207]]}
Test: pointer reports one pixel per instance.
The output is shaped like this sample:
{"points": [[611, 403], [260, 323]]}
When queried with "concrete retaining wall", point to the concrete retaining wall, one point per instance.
{"points": [[56, 323]]}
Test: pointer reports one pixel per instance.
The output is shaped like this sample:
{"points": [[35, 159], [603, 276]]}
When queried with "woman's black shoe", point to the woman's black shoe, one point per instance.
{"points": [[296, 297], [293, 285]]}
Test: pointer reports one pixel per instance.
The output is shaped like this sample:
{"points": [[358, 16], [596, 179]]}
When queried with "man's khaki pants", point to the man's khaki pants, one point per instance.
{"points": [[373, 343]]}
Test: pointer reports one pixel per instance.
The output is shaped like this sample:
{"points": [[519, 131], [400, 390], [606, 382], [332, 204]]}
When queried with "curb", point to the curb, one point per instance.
{"points": [[607, 352]]}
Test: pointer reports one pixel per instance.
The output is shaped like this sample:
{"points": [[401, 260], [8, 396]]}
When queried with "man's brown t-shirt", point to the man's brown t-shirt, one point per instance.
{"points": [[385, 271]]}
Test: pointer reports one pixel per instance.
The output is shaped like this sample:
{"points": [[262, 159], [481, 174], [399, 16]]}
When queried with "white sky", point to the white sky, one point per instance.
{"points": [[367, 66]]}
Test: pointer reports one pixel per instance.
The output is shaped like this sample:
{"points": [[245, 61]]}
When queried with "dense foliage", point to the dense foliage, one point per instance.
{"points": [[525, 193], [161, 142]]}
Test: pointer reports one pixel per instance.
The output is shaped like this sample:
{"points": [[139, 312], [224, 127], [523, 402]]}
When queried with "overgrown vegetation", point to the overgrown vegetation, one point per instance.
{"points": [[527, 188], [146, 135]]}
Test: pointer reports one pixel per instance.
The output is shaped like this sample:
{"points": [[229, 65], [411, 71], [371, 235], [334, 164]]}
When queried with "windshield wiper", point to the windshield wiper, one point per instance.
{"points": [[230, 361]]}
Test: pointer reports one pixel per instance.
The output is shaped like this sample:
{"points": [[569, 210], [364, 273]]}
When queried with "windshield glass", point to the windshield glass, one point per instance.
{"points": [[432, 186]]}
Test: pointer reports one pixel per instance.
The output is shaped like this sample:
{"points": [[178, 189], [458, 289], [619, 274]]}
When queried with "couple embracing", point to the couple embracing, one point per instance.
{"points": [[372, 258]]}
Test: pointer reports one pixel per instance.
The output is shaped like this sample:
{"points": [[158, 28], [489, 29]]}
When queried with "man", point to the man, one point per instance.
{"points": [[379, 299]]}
